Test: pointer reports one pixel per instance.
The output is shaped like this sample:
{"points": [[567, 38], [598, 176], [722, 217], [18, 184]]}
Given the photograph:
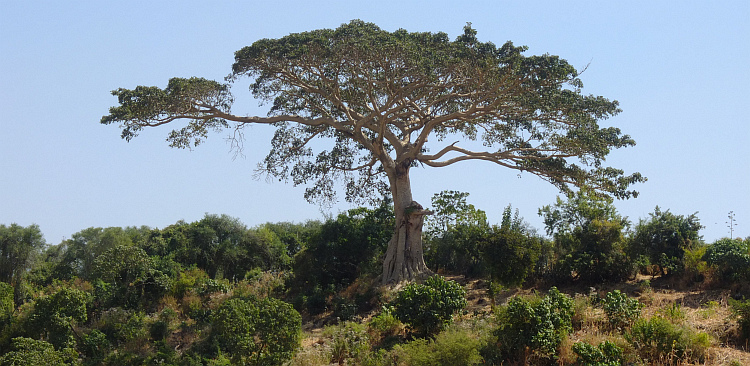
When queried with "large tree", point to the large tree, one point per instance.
{"points": [[377, 98]]}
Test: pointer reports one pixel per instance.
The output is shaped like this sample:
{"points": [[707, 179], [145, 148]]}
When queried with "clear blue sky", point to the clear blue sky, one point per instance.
{"points": [[679, 69]]}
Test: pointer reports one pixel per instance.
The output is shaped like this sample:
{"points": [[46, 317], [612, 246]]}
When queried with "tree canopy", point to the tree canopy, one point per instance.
{"points": [[386, 101]]}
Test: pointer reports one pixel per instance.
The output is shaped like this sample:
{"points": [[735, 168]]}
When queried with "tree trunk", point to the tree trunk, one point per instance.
{"points": [[404, 259]]}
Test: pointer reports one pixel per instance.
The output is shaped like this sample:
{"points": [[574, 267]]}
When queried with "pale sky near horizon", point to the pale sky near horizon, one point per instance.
{"points": [[680, 71]]}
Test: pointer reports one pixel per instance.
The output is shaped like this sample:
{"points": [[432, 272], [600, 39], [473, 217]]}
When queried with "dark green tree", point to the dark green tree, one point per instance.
{"points": [[388, 101], [663, 238], [85, 246], [7, 305], [127, 277], [454, 233], [511, 250], [731, 257], [589, 242], [32, 352], [55, 316], [343, 249], [257, 331], [19, 246]]}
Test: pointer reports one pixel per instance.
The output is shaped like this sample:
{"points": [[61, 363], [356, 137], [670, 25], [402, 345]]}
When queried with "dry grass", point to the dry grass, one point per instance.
{"points": [[704, 310]]}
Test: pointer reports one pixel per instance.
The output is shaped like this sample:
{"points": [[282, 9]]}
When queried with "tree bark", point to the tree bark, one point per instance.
{"points": [[404, 258]]}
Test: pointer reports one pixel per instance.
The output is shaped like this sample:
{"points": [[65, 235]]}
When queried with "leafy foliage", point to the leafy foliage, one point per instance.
{"points": [[605, 354], [32, 352], [18, 247], [131, 275], [657, 338], [451, 347], [621, 311], [536, 324], [339, 252], [731, 257], [7, 305], [427, 308], [55, 315], [257, 331], [741, 310], [664, 237], [511, 251], [589, 241]]}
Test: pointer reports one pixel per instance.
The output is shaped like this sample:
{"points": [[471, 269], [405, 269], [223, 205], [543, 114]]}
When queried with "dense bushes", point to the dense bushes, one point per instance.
{"points": [[256, 331], [731, 258], [212, 292], [337, 253], [427, 308], [532, 327], [662, 239]]}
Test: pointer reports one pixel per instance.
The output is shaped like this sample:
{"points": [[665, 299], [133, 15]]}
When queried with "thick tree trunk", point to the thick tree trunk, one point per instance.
{"points": [[404, 259]]}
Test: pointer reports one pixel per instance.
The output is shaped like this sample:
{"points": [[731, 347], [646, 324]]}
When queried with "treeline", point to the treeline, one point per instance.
{"points": [[216, 292]]}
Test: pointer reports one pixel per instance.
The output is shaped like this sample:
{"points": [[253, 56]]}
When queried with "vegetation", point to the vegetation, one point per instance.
{"points": [[387, 101], [216, 292], [427, 308]]}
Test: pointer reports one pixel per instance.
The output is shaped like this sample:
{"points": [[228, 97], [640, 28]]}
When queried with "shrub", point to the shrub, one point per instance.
{"points": [[741, 310], [31, 352], [533, 326], [384, 326], [95, 346], [348, 341], [428, 308], [658, 339], [449, 348], [664, 237], [123, 327], [621, 310], [731, 257], [7, 305], [257, 331], [605, 354], [55, 315]]}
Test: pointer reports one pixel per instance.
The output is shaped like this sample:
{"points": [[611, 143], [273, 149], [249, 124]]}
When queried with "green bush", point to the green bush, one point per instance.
{"points": [[349, 341], [532, 326], [123, 326], [7, 305], [663, 239], [55, 315], [428, 308], [741, 310], [657, 338], [731, 257], [31, 352], [95, 347], [342, 250], [257, 331], [449, 348], [605, 354], [621, 311], [384, 327]]}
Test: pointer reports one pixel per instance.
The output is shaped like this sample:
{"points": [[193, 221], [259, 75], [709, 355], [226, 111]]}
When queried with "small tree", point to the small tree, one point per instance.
{"points": [[55, 316], [664, 237], [19, 246], [257, 331], [731, 257], [386, 102], [32, 352], [589, 241], [533, 327], [427, 308]]}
